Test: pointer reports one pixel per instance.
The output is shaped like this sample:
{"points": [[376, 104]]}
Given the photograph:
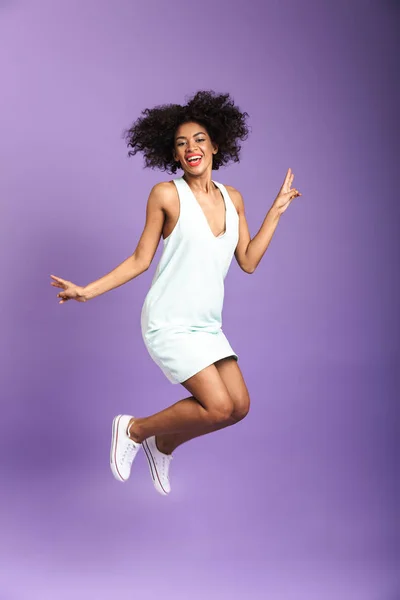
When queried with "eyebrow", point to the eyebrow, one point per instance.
{"points": [[183, 137]]}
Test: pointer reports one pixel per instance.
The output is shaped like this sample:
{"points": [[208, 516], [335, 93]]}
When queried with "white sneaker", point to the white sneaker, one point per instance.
{"points": [[123, 449], [159, 465]]}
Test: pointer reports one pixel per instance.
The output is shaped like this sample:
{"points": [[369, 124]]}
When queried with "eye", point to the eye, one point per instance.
{"points": [[200, 140], [180, 143]]}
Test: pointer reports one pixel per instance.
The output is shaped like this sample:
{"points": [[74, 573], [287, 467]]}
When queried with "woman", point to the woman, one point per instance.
{"points": [[203, 225]]}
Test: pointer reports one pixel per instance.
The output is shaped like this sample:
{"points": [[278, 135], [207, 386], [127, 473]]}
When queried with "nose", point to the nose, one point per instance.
{"points": [[191, 146]]}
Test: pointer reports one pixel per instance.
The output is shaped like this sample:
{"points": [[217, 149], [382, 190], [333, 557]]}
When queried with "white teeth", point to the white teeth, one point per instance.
{"points": [[194, 159]]}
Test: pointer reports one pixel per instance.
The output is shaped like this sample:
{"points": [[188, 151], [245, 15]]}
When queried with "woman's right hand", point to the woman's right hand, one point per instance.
{"points": [[70, 291]]}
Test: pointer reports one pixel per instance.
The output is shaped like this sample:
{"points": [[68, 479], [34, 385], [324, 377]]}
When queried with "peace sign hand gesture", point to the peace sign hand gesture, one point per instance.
{"points": [[70, 290], [286, 193]]}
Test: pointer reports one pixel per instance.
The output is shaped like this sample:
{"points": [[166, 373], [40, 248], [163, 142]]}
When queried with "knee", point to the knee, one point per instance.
{"points": [[222, 412], [241, 408]]}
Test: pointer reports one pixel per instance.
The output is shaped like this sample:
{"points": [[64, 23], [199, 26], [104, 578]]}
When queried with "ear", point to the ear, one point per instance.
{"points": [[215, 149]]}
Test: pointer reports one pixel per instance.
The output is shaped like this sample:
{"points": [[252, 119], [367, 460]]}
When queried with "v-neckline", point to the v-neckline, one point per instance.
{"points": [[221, 235]]}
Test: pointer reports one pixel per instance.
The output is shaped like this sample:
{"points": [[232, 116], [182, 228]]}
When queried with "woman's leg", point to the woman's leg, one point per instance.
{"points": [[232, 377], [209, 405], [220, 398]]}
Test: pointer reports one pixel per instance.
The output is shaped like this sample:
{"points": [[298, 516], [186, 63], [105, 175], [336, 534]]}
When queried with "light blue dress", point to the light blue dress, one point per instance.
{"points": [[181, 318]]}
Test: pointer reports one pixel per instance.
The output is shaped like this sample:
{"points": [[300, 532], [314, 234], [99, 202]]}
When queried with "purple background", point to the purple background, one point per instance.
{"points": [[298, 501]]}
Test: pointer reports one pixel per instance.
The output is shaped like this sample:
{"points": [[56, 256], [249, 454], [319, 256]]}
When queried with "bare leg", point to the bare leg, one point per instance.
{"points": [[209, 405], [167, 443], [231, 375]]}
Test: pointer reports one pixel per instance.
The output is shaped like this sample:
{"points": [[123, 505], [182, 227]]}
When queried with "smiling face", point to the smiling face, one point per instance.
{"points": [[194, 148]]}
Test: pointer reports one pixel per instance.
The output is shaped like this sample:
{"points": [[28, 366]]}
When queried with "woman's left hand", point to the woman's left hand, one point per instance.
{"points": [[286, 194]]}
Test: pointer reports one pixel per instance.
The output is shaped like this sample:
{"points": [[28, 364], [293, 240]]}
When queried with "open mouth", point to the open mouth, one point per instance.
{"points": [[194, 161]]}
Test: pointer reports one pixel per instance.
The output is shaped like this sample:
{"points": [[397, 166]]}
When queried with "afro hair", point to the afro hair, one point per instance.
{"points": [[153, 133]]}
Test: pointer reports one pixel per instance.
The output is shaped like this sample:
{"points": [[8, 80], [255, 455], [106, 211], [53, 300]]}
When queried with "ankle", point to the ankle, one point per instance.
{"points": [[133, 431], [163, 446]]}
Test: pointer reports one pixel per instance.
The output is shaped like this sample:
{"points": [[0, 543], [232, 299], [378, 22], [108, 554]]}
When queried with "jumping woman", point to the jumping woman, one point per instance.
{"points": [[203, 225]]}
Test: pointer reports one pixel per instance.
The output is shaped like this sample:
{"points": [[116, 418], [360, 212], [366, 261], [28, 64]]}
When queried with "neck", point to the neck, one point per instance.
{"points": [[200, 183]]}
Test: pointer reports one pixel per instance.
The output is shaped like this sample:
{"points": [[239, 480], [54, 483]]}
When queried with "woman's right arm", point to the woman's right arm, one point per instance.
{"points": [[135, 264], [141, 259]]}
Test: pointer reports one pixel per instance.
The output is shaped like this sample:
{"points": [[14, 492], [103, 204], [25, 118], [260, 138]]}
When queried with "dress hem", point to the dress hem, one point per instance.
{"points": [[208, 364]]}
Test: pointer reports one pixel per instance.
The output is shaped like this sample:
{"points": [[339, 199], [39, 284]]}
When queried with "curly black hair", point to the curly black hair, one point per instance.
{"points": [[153, 133]]}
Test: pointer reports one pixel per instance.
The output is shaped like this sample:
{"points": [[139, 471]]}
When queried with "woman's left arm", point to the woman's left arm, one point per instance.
{"points": [[249, 251]]}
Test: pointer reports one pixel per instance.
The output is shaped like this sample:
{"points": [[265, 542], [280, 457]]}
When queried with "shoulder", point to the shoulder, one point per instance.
{"points": [[236, 197], [164, 188], [163, 194]]}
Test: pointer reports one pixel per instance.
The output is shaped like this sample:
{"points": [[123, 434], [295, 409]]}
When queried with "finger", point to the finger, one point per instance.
{"points": [[60, 283], [292, 194], [287, 177], [58, 279]]}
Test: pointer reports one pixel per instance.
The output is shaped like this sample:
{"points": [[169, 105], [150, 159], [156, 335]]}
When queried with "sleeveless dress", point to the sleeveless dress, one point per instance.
{"points": [[181, 318]]}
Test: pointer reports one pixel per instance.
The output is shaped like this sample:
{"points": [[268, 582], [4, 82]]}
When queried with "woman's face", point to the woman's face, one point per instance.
{"points": [[194, 148]]}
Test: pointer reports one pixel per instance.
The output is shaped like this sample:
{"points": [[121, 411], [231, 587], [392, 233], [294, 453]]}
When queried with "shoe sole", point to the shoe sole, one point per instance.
{"points": [[114, 441], [153, 469]]}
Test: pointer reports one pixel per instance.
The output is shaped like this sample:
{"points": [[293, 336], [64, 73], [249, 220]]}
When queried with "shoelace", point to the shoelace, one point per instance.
{"points": [[166, 459], [129, 453]]}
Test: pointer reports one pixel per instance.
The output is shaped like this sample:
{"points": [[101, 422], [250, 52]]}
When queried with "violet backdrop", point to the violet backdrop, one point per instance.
{"points": [[298, 501]]}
